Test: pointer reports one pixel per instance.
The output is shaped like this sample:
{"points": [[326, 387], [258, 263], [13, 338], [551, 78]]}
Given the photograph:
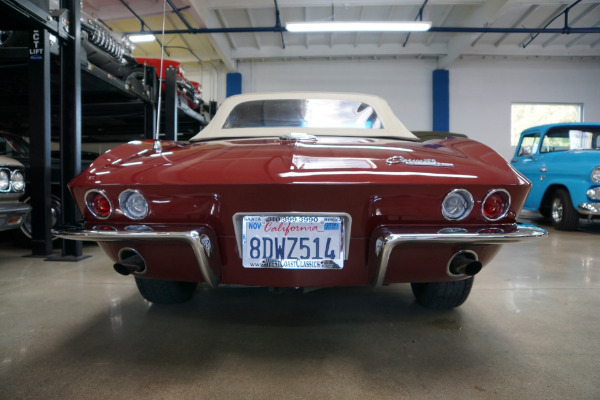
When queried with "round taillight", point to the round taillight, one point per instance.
{"points": [[133, 204], [457, 205], [98, 204], [495, 205]]}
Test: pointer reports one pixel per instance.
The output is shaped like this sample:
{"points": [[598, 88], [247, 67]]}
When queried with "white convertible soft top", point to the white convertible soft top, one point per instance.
{"points": [[220, 126]]}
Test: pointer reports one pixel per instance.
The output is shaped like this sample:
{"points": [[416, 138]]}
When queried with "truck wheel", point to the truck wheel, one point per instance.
{"points": [[564, 216], [165, 292], [442, 295]]}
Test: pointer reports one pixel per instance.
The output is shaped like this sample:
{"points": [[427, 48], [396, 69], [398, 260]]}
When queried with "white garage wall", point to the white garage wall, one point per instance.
{"points": [[405, 84], [481, 90]]}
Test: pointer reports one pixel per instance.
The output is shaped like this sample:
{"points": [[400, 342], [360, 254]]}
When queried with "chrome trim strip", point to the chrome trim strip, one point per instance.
{"points": [[238, 217], [21, 209], [589, 208], [524, 232], [193, 238]]}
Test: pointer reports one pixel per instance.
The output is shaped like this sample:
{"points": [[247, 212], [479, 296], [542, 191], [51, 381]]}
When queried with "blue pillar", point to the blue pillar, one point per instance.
{"points": [[441, 100], [234, 84]]}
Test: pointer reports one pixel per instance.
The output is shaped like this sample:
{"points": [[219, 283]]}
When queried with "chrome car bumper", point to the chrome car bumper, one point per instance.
{"points": [[589, 208], [199, 242], [10, 211], [386, 244]]}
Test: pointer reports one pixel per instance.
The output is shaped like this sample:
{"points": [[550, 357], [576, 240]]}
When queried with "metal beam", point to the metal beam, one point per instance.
{"points": [[70, 137], [39, 126]]}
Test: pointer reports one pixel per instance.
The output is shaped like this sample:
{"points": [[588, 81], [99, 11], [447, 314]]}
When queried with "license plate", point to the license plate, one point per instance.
{"points": [[293, 242]]}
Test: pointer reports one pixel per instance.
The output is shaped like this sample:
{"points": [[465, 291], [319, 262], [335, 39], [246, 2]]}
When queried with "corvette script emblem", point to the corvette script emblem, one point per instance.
{"points": [[429, 162]]}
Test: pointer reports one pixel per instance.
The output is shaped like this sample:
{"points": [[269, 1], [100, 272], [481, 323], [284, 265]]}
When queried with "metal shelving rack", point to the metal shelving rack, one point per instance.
{"points": [[108, 94]]}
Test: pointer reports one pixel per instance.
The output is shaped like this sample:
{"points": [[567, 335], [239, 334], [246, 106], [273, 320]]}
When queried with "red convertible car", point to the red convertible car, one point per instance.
{"points": [[302, 190]]}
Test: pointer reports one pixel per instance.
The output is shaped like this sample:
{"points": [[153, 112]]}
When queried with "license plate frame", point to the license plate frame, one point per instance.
{"points": [[281, 226]]}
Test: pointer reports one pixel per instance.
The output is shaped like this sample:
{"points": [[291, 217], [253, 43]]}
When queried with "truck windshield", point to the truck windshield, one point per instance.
{"points": [[566, 138]]}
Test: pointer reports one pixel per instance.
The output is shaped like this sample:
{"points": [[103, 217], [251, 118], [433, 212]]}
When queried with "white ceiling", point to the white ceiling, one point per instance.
{"points": [[445, 47]]}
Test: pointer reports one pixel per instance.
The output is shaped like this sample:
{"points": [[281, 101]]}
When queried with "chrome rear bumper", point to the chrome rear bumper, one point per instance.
{"points": [[200, 243], [384, 247], [386, 244]]}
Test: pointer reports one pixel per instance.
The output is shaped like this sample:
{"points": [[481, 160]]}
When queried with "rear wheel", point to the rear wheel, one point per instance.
{"points": [[564, 216], [165, 292], [442, 295]]}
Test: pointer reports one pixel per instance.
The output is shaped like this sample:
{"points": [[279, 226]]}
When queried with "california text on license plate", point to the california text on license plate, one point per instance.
{"points": [[295, 242]]}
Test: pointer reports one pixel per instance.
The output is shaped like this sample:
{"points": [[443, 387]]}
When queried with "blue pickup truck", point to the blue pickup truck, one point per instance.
{"points": [[562, 161]]}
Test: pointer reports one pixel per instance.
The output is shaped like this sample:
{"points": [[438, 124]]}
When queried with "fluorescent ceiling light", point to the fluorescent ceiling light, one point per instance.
{"points": [[359, 26], [141, 38]]}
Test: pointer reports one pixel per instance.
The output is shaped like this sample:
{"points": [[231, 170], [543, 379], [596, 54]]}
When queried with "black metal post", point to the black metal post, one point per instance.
{"points": [[171, 105], [70, 136], [39, 125], [150, 107]]}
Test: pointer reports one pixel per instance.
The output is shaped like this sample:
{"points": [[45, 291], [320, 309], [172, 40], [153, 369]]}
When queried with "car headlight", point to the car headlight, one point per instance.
{"points": [[133, 204], [4, 180], [596, 175], [495, 205], [457, 205], [594, 193], [18, 181]]}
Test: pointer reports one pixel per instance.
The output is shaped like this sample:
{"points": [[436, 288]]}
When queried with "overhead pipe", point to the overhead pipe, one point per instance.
{"points": [[566, 26], [419, 17], [432, 29], [143, 24], [179, 14]]}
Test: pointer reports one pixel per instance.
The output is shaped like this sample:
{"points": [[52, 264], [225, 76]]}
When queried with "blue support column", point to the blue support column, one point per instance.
{"points": [[234, 84], [441, 100]]}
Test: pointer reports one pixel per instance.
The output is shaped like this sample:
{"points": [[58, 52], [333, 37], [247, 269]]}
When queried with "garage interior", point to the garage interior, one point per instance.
{"points": [[72, 328]]}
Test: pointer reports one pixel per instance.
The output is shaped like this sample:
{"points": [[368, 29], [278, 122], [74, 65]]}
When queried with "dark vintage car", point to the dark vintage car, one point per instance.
{"points": [[302, 190], [12, 186], [17, 147]]}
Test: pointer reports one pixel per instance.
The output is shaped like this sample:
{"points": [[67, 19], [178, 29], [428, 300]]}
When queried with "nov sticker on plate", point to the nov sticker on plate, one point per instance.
{"points": [[293, 242]]}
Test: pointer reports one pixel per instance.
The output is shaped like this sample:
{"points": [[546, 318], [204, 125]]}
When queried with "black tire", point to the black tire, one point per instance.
{"points": [[13, 38], [23, 234], [564, 216], [442, 295], [135, 79], [165, 292]]}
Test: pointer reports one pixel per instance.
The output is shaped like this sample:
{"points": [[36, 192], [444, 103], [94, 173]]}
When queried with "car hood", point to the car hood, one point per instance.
{"points": [[317, 160], [9, 162]]}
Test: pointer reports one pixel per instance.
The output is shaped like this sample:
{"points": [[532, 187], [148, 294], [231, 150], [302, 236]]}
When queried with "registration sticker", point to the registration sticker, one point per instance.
{"points": [[293, 242]]}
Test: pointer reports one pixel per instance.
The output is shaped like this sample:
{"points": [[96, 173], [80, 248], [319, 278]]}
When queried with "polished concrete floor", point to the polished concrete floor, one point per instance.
{"points": [[529, 330]]}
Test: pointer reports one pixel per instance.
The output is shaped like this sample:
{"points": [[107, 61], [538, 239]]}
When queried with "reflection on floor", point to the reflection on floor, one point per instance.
{"points": [[529, 330]]}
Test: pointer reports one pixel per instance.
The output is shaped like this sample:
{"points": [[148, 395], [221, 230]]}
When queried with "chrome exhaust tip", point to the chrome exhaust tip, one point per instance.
{"points": [[463, 263], [130, 262]]}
